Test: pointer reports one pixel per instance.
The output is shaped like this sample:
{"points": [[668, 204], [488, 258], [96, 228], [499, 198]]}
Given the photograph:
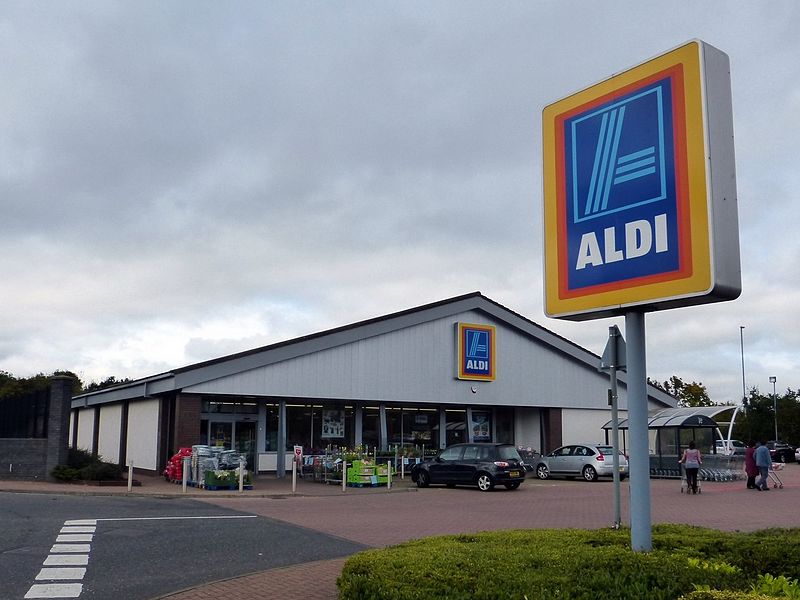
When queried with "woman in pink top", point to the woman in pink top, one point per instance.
{"points": [[691, 460]]}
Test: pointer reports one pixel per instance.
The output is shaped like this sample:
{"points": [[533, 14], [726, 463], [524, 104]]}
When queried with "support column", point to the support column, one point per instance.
{"points": [[442, 428], [281, 457], [58, 422], [383, 439], [358, 425], [470, 433]]}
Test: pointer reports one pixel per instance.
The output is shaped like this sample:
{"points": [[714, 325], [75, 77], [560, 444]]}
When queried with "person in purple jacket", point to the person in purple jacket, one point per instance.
{"points": [[750, 468]]}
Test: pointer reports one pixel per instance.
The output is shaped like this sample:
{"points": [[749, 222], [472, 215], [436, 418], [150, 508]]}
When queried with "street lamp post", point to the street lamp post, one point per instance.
{"points": [[772, 380], [741, 343]]}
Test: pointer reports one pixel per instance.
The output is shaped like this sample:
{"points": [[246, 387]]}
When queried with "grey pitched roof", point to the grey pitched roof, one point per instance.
{"points": [[193, 374]]}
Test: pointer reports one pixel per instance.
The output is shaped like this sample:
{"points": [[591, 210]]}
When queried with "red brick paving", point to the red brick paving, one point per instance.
{"points": [[379, 518]]}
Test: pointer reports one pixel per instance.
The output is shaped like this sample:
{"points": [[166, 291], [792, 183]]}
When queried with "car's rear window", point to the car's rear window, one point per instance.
{"points": [[606, 449], [508, 453]]}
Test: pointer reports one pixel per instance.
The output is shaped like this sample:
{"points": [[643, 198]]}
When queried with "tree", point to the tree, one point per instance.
{"points": [[688, 394]]}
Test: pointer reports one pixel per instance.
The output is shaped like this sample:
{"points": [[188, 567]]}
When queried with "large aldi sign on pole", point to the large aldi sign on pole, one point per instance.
{"points": [[634, 215]]}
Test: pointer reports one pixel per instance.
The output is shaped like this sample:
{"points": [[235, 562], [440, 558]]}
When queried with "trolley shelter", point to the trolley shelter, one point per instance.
{"points": [[670, 431]]}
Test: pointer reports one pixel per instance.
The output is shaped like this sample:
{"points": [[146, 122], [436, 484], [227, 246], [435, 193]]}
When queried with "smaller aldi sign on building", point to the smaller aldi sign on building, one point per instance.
{"points": [[632, 214], [476, 351]]}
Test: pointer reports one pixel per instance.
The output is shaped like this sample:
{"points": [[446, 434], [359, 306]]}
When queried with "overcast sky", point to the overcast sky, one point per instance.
{"points": [[184, 180]]}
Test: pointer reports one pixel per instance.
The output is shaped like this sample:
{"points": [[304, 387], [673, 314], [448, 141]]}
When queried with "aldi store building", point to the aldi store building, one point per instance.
{"points": [[463, 369]]}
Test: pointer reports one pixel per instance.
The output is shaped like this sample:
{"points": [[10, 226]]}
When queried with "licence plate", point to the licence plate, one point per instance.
{"points": [[513, 473]]}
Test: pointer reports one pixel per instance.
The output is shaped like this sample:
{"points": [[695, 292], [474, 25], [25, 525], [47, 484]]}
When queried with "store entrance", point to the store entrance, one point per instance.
{"points": [[245, 438], [235, 435]]}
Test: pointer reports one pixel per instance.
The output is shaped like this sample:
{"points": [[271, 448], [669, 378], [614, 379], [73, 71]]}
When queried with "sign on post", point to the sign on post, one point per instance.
{"points": [[634, 216]]}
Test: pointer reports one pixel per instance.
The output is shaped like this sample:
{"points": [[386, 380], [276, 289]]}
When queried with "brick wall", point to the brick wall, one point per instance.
{"points": [[187, 421], [23, 458], [36, 457]]}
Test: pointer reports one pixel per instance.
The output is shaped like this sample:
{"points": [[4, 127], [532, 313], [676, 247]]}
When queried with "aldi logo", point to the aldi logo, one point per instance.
{"points": [[619, 153], [476, 351]]}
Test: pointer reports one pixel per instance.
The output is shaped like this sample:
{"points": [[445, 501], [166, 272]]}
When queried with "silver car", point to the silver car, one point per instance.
{"points": [[589, 461]]}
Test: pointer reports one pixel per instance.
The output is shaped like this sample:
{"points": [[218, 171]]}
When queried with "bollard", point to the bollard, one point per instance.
{"points": [[389, 477], [241, 475], [403, 468], [130, 475], [185, 475], [294, 475], [344, 475]]}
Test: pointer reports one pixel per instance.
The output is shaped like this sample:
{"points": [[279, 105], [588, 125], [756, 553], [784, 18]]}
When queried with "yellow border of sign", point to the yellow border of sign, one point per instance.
{"points": [[460, 327], [700, 278]]}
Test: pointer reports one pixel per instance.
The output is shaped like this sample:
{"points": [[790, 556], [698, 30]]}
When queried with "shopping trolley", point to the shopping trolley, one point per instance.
{"points": [[685, 484], [773, 475]]}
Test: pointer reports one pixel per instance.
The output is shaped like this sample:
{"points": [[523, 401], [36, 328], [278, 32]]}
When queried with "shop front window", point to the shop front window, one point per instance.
{"points": [[504, 425], [481, 426], [371, 426], [456, 426], [411, 426]]}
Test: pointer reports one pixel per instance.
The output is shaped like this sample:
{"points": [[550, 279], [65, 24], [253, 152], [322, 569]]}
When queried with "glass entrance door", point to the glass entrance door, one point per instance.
{"points": [[246, 442], [220, 434]]}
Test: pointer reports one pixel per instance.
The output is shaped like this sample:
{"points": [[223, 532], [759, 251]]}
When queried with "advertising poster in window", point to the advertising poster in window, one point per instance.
{"points": [[481, 429], [332, 424]]}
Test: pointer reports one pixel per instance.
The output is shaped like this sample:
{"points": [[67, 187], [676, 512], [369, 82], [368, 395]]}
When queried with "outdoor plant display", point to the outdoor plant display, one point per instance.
{"points": [[225, 478], [686, 562]]}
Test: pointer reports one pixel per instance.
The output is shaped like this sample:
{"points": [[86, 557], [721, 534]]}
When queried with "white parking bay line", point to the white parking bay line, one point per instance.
{"points": [[74, 537], [55, 590], [76, 548], [81, 522], [61, 573], [66, 560]]}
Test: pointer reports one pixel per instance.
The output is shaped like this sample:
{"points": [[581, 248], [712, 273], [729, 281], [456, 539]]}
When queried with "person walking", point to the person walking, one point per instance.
{"points": [[691, 460], [750, 468], [763, 462]]}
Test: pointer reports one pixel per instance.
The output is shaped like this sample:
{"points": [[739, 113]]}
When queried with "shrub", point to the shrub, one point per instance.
{"points": [[573, 564], [101, 471], [65, 473], [84, 465]]}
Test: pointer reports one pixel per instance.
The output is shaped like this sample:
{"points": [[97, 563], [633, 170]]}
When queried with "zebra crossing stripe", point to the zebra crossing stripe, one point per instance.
{"points": [[66, 562], [55, 590]]}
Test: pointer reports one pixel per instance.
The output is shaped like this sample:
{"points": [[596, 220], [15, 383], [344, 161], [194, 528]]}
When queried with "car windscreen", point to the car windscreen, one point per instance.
{"points": [[508, 453]]}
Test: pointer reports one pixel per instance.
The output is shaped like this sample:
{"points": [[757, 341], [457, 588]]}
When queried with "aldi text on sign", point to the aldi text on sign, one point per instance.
{"points": [[632, 214]]}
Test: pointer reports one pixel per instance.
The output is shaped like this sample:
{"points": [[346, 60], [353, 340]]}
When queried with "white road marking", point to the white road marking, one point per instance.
{"points": [[78, 529], [74, 537], [66, 560], [55, 590], [61, 573], [77, 548], [181, 518]]}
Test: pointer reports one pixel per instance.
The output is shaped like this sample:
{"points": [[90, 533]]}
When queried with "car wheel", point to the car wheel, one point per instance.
{"points": [[513, 485], [423, 479], [782, 458], [623, 477], [485, 483], [542, 472], [589, 474]]}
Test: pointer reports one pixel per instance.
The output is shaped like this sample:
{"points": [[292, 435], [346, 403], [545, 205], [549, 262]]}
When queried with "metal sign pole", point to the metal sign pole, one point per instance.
{"points": [[639, 461], [613, 333]]}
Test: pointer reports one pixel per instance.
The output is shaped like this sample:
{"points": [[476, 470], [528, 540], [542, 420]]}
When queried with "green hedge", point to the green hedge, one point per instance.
{"points": [[82, 465], [572, 564]]}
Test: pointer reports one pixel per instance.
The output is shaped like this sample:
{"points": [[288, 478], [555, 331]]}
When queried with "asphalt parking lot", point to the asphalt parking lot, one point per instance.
{"points": [[377, 517]]}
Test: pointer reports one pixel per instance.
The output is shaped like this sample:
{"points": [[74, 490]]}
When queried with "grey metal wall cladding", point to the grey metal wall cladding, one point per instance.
{"points": [[418, 364]]}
